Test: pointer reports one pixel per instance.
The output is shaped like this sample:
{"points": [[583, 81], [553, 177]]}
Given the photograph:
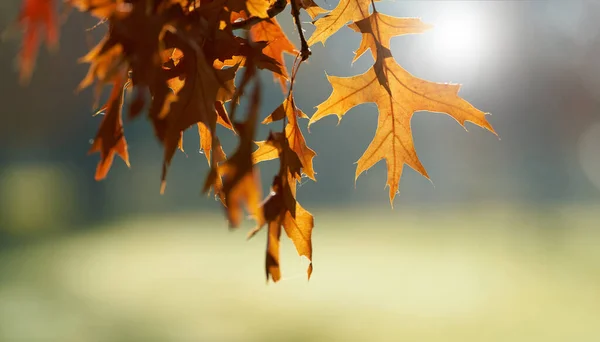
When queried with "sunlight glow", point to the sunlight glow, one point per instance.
{"points": [[460, 34]]}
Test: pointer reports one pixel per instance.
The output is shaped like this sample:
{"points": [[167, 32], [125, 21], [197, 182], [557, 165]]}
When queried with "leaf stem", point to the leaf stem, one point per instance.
{"points": [[304, 49], [373, 3]]}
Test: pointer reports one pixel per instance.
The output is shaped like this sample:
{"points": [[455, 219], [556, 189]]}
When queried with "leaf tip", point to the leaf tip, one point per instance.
{"points": [[163, 186]]}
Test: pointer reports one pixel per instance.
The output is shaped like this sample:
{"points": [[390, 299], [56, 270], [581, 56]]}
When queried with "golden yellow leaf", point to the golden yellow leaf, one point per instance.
{"points": [[242, 181], [264, 152], [258, 8], [281, 209], [277, 44], [393, 140], [293, 133], [345, 11], [377, 30]]}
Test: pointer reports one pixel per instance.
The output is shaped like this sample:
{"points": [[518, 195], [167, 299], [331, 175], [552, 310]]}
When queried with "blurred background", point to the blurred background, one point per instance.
{"points": [[503, 246]]}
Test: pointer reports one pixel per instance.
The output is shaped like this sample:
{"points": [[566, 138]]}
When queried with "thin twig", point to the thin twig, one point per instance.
{"points": [[304, 49]]}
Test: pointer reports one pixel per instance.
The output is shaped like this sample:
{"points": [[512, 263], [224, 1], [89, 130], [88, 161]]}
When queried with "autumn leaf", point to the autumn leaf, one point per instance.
{"points": [[106, 60], [345, 11], [194, 103], [257, 8], [39, 20], [214, 179], [182, 56], [277, 43], [378, 29], [281, 209], [242, 181], [206, 136], [397, 99], [293, 134], [110, 139]]}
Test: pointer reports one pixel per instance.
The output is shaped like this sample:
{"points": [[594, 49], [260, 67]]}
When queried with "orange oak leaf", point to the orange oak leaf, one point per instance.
{"points": [[281, 209], [398, 97], [184, 55], [277, 44], [106, 61], [37, 17], [206, 136], [242, 181], [194, 103], [345, 11], [110, 139], [214, 180], [264, 152], [293, 134]]}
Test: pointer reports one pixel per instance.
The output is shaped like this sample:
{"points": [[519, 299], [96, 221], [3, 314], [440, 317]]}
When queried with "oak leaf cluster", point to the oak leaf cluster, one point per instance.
{"points": [[179, 59]]}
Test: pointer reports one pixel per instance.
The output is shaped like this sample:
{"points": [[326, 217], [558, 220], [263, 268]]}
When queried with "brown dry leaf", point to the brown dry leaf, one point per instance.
{"points": [[110, 139], [345, 11], [397, 98], [293, 134], [281, 208], [242, 181], [194, 103]]}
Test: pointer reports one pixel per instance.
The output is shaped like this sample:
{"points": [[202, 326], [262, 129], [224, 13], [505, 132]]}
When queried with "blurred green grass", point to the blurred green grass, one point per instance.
{"points": [[484, 273]]}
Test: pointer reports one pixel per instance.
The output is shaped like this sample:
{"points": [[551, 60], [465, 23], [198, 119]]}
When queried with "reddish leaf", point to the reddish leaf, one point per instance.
{"points": [[39, 21]]}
